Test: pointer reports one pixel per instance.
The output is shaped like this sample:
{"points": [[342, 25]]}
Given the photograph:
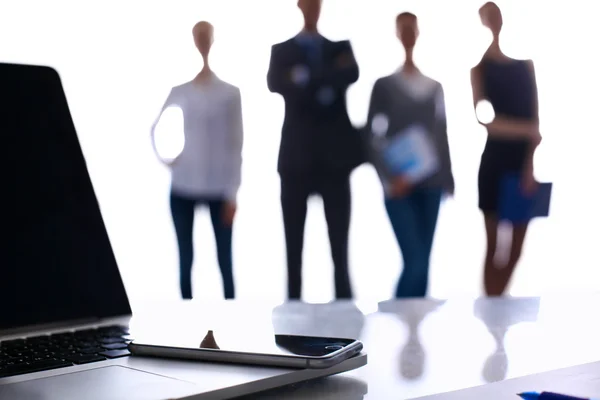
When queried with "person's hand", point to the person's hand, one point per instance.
{"points": [[229, 210], [528, 182], [400, 186], [536, 137]]}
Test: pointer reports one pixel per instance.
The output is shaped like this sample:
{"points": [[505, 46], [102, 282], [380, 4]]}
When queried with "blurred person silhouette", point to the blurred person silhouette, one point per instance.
{"points": [[319, 146], [412, 313], [513, 135], [406, 127], [207, 172]]}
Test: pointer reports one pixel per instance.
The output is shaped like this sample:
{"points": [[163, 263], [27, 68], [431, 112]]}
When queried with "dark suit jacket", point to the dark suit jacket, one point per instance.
{"points": [[316, 138]]}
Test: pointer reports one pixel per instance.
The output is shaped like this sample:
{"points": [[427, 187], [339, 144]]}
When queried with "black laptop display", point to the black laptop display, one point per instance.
{"points": [[56, 261]]}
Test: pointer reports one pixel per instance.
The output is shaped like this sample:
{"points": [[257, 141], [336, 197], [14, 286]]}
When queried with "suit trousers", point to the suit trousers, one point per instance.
{"points": [[334, 189]]}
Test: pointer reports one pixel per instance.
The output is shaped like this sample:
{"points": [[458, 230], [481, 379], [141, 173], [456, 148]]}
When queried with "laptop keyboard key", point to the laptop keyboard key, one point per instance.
{"points": [[13, 343], [115, 346], [20, 369], [86, 358], [114, 330], [91, 350], [110, 340], [115, 353]]}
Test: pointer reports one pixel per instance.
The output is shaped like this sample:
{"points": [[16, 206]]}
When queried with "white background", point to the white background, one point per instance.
{"points": [[118, 60]]}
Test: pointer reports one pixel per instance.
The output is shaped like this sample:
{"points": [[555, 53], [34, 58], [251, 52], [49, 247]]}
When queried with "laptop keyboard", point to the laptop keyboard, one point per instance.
{"points": [[64, 349]]}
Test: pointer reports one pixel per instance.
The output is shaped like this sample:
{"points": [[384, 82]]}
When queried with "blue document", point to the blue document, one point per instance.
{"points": [[517, 207], [411, 153]]}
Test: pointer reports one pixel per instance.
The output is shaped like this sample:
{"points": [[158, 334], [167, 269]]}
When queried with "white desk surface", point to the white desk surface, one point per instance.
{"points": [[420, 348]]}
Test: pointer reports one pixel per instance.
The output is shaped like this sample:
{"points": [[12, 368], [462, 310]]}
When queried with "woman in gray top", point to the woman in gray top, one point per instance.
{"points": [[407, 133]]}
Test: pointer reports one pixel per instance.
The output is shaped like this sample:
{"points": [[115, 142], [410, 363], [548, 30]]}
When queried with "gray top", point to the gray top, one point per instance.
{"points": [[405, 101]]}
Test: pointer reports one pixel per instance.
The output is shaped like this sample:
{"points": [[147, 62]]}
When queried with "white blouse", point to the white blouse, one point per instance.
{"points": [[211, 160]]}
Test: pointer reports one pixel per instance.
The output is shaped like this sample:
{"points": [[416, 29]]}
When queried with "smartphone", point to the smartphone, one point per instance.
{"points": [[287, 351]]}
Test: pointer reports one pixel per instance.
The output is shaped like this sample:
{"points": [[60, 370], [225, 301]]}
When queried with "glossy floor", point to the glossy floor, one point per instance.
{"points": [[424, 347]]}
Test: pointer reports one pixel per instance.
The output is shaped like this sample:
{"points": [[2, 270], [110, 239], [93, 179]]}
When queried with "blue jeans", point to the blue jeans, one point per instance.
{"points": [[414, 219], [182, 211]]}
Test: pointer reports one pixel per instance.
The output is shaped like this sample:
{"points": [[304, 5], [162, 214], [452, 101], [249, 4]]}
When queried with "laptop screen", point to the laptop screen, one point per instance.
{"points": [[56, 261]]}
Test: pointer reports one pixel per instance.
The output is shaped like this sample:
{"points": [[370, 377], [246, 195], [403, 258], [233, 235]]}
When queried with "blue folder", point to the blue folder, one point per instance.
{"points": [[518, 207], [411, 153]]}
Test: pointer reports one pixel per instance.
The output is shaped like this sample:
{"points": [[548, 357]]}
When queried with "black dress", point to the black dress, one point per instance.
{"points": [[509, 87]]}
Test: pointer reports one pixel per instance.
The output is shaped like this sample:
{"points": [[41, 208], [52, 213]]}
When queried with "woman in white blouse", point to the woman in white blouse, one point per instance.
{"points": [[208, 170]]}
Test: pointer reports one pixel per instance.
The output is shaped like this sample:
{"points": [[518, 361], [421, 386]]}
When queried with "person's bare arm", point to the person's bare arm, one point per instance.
{"points": [[478, 95], [510, 128]]}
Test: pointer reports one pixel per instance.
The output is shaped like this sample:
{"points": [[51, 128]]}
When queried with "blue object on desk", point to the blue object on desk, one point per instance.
{"points": [[548, 396], [517, 207]]}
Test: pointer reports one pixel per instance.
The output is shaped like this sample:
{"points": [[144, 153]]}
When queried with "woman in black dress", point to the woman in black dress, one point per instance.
{"points": [[513, 135]]}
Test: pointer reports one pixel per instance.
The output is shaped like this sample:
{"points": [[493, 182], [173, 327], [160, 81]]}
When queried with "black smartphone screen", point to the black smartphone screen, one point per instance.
{"points": [[310, 346]]}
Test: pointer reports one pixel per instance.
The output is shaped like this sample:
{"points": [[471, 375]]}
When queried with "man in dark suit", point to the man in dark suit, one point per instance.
{"points": [[319, 146]]}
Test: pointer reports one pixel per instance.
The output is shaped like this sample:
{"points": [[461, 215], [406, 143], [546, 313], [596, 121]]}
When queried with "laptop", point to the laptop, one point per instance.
{"points": [[64, 312]]}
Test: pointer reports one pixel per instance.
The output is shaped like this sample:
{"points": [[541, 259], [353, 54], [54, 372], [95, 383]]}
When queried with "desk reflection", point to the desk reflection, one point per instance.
{"points": [[412, 313], [340, 319], [498, 315]]}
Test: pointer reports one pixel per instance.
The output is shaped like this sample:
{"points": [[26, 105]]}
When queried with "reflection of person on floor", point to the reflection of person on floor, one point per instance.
{"points": [[495, 368], [510, 86], [404, 100], [412, 356], [209, 341], [319, 146], [498, 317], [336, 319], [412, 313], [208, 170]]}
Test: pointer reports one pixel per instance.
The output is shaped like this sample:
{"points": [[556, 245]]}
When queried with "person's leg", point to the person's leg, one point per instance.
{"points": [[518, 239], [294, 195], [491, 171], [335, 192], [223, 233], [182, 211], [492, 275], [405, 223], [428, 209], [521, 159]]}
